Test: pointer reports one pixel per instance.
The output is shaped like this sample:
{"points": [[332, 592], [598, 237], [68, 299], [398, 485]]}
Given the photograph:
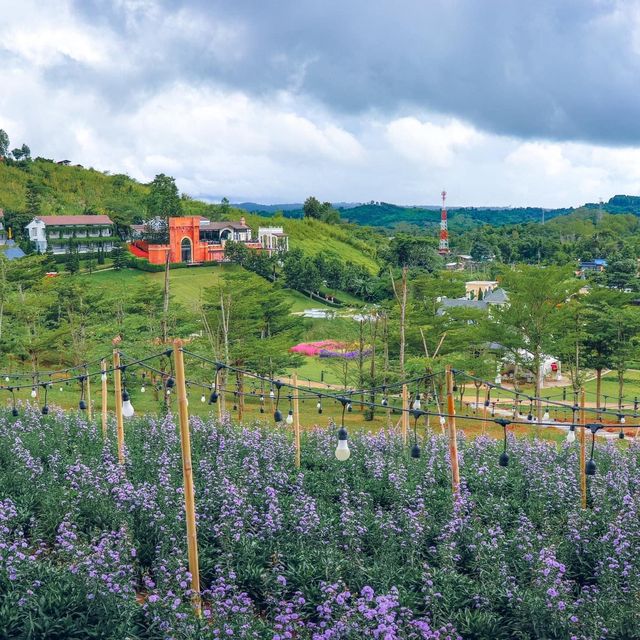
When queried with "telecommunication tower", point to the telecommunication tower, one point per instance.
{"points": [[443, 249]]}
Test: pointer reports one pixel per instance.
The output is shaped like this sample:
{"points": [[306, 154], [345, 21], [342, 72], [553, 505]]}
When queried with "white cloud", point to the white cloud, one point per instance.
{"points": [[430, 143]]}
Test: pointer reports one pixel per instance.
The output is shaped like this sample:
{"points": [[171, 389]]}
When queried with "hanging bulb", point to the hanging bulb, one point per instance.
{"points": [[571, 434], [349, 407], [272, 394], [170, 382], [622, 419], [213, 398], [415, 451], [530, 417], [142, 389], [45, 410], [103, 376], [417, 405], [127, 407], [342, 450], [621, 434], [590, 468], [289, 419], [503, 461], [319, 405], [82, 405], [6, 378], [545, 416], [443, 421], [34, 393], [61, 389], [277, 415], [168, 392], [261, 398], [385, 402], [14, 412], [203, 398], [235, 407]]}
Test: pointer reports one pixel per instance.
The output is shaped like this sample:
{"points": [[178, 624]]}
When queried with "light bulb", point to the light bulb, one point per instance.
{"points": [[6, 379], [33, 392], [622, 419], [442, 420], [545, 416], [61, 389], [385, 402], [349, 407], [417, 404], [142, 389], [127, 407], [498, 379], [103, 377], [261, 398], [168, 392], [571, 436], [203, 398], [342, 450], [289, 419], [272, 394]]}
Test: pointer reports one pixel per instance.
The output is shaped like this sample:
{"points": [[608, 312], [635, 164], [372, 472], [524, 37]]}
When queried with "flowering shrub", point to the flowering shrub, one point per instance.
{"points": [[371, 548]]}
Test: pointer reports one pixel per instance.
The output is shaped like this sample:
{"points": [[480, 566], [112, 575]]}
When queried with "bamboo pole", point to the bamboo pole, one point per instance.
{"points": [[117, 383], [187, 472], [583, 452], [296, 417], [405, 414], [103, 406], [89, 407], [453, 441], [219, 390]]}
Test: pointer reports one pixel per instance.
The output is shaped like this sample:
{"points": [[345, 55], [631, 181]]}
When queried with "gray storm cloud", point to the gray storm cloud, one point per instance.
{"points": [[558, 70]]}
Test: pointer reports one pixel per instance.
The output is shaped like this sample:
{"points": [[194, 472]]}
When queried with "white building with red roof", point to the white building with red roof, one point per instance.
{"points": [[60, 233]]}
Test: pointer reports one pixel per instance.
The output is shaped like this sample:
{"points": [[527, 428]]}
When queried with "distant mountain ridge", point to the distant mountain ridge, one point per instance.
{"points": [[388, 215]]}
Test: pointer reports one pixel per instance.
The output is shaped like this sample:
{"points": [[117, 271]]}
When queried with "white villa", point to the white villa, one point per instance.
{"points": [[86, 233], [273, 239]]}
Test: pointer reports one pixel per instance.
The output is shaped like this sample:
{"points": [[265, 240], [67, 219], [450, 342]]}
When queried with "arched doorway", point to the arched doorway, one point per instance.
{"points": [[185, 250]]}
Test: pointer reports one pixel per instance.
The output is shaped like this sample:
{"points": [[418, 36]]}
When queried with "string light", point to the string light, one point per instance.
{"points": [[277, 415], [415, 449], [571, 434], [590, 467], [14, 408], [319, 404], [45, 406], [127, 407], [503, 460], [342, 451], [289, 419], [417, 405], [82, 405]]}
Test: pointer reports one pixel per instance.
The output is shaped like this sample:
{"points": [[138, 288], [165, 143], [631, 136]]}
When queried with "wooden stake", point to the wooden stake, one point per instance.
{"points": [[117, 383], [187, 472], [296, 418], [453, 441], [405, 414], [103, 406], [219, 390], [583, 452], [240, 396]]}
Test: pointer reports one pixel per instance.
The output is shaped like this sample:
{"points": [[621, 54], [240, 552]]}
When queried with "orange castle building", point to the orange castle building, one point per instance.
{"points": [[194, 240]]}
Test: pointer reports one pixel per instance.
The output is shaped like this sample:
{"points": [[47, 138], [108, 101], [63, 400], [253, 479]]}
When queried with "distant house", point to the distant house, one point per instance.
{"points": [[474, 288], [60, 233], [597, 264], [196, 240], [494, 297]]}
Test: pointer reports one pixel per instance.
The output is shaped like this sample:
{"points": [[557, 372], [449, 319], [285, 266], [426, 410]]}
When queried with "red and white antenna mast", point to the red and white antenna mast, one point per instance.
{"points": [[443, 249]]}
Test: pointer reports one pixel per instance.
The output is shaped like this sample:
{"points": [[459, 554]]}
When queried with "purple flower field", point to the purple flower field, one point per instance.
{"points": [[369, 548]]}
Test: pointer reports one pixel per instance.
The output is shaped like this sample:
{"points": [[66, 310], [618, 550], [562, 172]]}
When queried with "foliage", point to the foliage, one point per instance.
{"points": [[368, 548]]}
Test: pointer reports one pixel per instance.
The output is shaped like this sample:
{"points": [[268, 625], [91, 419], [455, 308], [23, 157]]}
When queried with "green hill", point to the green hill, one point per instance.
{"points": [[75, 190]]}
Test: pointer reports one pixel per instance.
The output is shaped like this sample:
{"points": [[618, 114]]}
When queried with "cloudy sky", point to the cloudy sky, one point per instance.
{"points": [[501, 102]]}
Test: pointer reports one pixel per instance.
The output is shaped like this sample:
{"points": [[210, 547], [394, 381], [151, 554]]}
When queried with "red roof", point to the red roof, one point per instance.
{"points": [[67, 220]]}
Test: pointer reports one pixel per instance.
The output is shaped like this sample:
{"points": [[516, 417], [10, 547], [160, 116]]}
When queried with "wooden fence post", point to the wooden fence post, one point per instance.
{"points": [[405, 414], [187, 472], [103, 406], [583, 452], [296, 418], [453, 441], [117, 383]]}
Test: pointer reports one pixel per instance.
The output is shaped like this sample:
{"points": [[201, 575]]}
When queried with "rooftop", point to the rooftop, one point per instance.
{"points": [[71, 220]]}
